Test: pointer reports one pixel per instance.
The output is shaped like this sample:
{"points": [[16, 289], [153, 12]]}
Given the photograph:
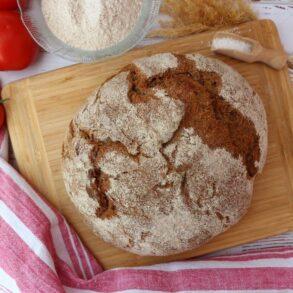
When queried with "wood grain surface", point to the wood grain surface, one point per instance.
{"points": [[41, 107]]}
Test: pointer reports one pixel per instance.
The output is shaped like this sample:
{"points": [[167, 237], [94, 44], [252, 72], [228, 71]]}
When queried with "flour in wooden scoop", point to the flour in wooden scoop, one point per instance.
{"points": [[231, 44]]}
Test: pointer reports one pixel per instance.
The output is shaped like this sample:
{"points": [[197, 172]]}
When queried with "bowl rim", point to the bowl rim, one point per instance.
{"points": [[35, 23]]}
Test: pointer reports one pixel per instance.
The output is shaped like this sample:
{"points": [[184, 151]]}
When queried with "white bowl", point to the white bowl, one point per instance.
{"points": [[32, 17]]}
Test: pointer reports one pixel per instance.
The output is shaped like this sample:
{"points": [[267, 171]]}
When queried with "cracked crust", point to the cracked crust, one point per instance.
{"points": [[163, 157]]}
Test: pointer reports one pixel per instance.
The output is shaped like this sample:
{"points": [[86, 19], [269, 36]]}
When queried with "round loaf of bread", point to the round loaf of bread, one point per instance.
{"points": [[163, 156]]}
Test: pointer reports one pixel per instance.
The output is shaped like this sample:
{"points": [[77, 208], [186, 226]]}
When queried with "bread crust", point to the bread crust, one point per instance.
{"points": [[163, 156]]}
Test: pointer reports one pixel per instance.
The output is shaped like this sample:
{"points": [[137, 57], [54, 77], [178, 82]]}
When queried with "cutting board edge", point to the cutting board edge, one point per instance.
{"points": [[284, 103], [197, 252], [37, 156]]}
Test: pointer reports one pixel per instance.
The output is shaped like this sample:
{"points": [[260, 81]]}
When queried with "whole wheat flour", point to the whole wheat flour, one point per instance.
{"points": [[91, 24]]}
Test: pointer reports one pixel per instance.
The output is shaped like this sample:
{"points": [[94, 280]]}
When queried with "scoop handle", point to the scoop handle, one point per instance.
{"points": [[274, 58]]}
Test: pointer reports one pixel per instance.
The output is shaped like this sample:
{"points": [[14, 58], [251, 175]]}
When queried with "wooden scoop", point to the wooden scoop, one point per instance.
{"points": [[274, 58]]}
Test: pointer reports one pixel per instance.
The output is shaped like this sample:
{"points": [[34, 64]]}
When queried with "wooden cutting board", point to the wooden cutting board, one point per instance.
{"points": [[41, 107]]}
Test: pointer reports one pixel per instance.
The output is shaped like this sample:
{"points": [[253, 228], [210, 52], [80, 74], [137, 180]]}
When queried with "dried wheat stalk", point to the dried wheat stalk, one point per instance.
{"points": [[193, 16]]}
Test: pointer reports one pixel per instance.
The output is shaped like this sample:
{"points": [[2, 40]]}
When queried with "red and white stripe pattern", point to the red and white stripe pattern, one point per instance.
{"points": [[40, 252]]}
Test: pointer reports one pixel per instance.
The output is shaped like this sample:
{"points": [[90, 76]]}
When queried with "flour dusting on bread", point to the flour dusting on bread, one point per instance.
{"points": [[142, 165]]}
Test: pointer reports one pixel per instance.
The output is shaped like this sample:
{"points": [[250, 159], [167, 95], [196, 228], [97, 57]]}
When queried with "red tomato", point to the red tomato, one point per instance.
{"points": [[2, 115], [8, 5], [17, 48]]}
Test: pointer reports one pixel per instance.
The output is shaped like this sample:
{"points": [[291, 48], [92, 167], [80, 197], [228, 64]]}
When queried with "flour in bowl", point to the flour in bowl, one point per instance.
{"points": [[91, 24]]}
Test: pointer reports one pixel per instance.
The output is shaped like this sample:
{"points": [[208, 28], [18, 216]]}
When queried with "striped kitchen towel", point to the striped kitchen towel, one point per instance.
{"points": [[40, 252]]}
